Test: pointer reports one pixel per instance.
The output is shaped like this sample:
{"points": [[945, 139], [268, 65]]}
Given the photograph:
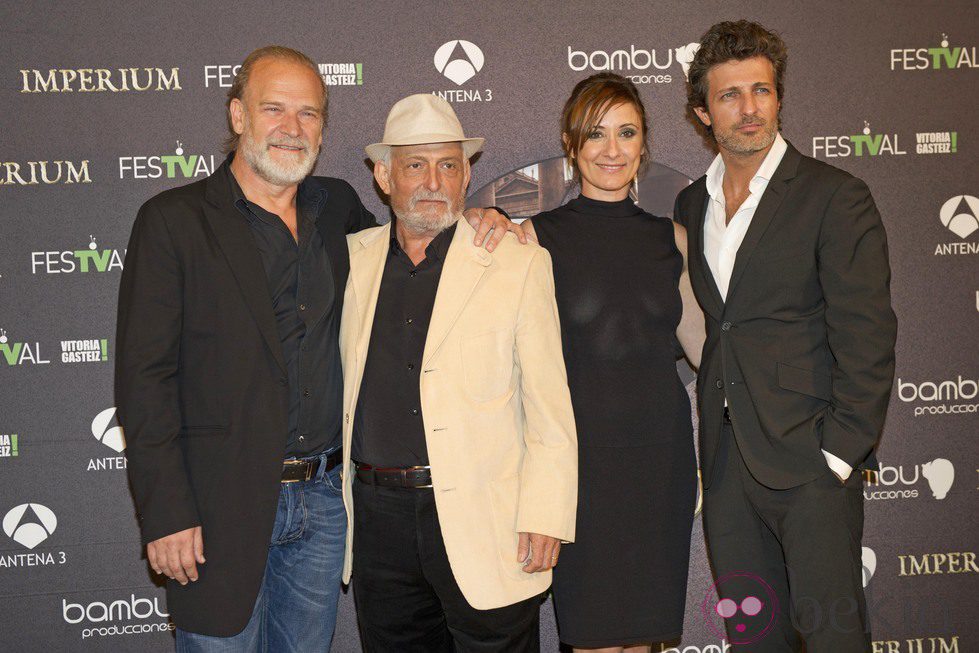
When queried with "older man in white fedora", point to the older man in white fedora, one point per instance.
{"points": [[460, 470]]}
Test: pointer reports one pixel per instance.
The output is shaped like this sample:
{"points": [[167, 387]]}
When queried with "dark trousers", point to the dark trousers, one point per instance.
{"points": [[762, 542], [406, 596]]}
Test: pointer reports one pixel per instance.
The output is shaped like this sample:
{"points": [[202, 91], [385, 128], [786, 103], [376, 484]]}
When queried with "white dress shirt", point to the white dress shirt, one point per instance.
{"points": [[722, 239]]}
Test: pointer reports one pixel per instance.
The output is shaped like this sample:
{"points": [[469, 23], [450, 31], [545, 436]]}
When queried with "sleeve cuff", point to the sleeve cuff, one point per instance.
{"points": [[839, 467]]}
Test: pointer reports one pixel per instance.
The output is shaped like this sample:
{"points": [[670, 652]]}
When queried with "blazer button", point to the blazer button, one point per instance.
{"points": [[718, 384], [726, 326]]}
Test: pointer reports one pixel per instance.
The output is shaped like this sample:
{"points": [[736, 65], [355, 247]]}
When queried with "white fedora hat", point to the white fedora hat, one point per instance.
{"points": [[421, 119]]}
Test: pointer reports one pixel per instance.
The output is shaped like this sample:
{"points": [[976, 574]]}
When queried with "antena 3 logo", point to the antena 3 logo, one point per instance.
{"points": [[121, 610], [30, 524], [944, 57], [900, 483], [635, 59], [940, 397], [107, 430], [176, 165], [960, 215], [459, 61], [99, 80], [91, 258]]}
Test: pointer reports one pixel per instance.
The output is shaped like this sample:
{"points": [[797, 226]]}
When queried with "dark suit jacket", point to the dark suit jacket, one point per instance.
{"points": [[803, 348], [201, 385]]}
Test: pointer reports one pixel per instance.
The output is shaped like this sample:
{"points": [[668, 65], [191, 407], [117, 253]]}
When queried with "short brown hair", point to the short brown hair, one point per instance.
{"points": [[734, 41], [240, 84], [590, 100]]}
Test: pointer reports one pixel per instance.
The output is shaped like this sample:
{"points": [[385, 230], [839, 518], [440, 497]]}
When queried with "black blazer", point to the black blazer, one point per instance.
{"points": [[201, 385], [803, 348]]}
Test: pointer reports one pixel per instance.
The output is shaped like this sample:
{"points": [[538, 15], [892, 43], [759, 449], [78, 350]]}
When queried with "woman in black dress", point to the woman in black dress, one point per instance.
{"points": [[626, 307]]}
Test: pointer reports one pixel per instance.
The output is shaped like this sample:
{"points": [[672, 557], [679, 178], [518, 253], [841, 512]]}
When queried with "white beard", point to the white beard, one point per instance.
{"points": [[275, 172]]}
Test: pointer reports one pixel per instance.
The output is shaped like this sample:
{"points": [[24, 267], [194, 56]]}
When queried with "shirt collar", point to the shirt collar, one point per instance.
{"points": [[437, 249], [310, 195], [715, 173]]}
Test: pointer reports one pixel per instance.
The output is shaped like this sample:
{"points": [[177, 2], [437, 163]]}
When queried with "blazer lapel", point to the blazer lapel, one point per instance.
{"points": [[366, 270], [463, 268], [700, 275], [771, 200], [238, 244]]}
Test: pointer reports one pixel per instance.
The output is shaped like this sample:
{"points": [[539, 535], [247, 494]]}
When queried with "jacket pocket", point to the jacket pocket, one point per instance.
{"points": [[487, 362], [807, 382]]}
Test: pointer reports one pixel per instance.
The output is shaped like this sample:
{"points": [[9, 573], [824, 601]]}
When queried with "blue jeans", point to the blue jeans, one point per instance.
{"points": [[296, 609]]}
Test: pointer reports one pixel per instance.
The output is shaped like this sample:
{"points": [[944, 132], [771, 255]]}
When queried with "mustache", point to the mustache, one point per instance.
{"points": [[748, 120], [288, 142], [422, 195]]}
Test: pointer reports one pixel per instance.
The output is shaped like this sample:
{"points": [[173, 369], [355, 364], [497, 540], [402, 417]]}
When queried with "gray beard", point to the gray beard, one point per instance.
{"points": [[257, 156]]}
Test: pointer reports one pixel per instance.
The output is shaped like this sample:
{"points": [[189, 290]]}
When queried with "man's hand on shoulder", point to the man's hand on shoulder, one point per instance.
{"points": [[177, 555], [537, 552], [490, 221]]}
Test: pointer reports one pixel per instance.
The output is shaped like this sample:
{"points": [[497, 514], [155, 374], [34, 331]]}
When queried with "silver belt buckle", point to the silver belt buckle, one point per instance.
{"points": [[404, 476], [309, 468]]}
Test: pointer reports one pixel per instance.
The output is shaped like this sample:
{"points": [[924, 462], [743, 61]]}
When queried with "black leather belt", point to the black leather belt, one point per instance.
{"points": [[304, 470], [416, 477]]}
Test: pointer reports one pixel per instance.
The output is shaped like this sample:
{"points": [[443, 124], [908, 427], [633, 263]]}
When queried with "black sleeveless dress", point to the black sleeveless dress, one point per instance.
{"points": [[616, 269]]}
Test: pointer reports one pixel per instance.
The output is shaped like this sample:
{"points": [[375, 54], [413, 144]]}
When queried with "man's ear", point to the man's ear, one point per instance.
{"points": [[382, 174], [703, 115], [237, 112]]}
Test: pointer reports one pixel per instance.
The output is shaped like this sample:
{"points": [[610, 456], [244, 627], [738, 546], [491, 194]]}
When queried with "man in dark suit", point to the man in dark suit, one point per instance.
{"points": [[788, 258], [228, 375]]}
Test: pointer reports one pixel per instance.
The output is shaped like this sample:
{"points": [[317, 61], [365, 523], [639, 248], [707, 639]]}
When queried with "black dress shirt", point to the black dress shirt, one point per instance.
{"points": [[301, 286], [388, 427]]}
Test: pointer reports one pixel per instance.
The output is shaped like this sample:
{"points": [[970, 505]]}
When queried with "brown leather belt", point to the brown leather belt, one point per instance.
{"points": [[416, 477], [305, 469]]}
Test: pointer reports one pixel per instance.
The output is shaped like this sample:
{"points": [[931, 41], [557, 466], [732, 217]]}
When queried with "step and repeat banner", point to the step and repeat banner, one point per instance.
{"points": [[106, 104]]}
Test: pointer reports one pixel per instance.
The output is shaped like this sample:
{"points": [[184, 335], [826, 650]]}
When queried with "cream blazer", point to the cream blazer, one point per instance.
{"points": [[495, 402]]}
